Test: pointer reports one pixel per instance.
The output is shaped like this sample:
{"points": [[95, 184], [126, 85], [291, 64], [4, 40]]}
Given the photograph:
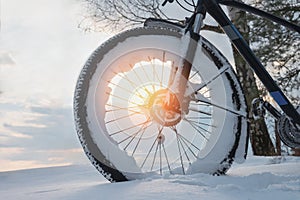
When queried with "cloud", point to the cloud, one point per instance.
{"points": [[21, 158], [37, 135], [42, 128], [41, 54], [41, 38], [9, 165]]}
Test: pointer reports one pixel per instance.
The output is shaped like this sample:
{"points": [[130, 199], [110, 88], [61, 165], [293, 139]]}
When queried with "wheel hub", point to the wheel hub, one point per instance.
{"points": [[165, 108]]}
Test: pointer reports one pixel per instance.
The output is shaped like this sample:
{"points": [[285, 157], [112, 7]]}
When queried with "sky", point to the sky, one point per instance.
{"points": [[41, 54], [42, 51]]}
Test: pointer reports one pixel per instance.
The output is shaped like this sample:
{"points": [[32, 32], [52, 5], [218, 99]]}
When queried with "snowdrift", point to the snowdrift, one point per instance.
{"points": [[258, 178]]}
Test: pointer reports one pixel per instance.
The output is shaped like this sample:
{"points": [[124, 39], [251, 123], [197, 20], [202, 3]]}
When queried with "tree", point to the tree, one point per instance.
{"points": [[115, 15], [279, 47], [259, 137]]}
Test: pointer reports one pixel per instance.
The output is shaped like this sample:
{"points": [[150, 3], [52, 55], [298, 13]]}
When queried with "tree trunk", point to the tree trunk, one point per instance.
{"points": [[296, 152], [278, 141], [260, 140]]}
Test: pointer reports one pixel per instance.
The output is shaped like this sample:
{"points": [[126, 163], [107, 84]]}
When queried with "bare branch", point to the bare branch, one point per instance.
{"points": [[216, 29]]}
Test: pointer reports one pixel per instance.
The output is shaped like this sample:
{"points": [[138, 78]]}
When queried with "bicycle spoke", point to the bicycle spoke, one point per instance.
{"points": [[199, 104], [201, 123], [143, 131], [153, 161], [133, 84], [125, 89], [154, 71], [119, 118], [132, 136], [163, 69], [147, 76], [212, 79], [198, 117], [178, 146], [199, 111], [126, 129], [160, 159], [141, 81], [136, 75], [197, 129], [183, 149], [169, 167], [118, 108], [223, 108], [206, 91], [123, 99], [159, 132], [198, 126], [141, 136], [187, 141], [192, 76]]}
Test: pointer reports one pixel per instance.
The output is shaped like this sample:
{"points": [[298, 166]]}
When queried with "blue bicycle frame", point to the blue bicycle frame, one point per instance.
{"points": [[213, 8]]}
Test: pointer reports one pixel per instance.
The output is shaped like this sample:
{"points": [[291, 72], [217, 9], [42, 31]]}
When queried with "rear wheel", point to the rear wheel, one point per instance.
{"points": [[126, 128]]}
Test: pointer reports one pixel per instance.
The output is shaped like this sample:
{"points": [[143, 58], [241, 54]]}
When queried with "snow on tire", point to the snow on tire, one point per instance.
{"points": [[123, 126]]}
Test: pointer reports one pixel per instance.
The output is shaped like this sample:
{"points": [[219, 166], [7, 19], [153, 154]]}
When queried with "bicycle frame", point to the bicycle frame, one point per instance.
{"points": [[213, 8]]}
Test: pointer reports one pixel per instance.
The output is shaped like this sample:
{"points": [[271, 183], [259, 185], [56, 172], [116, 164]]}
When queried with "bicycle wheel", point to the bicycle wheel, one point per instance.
{"points": [[123, 126]]}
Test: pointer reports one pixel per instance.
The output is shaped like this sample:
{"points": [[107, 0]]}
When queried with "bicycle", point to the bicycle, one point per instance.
{"points": [[161, 99]]}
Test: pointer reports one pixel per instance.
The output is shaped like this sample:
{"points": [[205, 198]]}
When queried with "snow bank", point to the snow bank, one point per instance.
{"points": [[258, 178]]}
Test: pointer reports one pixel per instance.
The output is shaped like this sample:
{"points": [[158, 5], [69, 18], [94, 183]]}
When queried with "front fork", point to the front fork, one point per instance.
{"points": [[179, 76]]}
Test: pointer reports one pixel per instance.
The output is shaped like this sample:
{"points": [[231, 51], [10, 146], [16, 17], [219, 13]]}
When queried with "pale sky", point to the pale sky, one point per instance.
{"points": [[41, 54]]}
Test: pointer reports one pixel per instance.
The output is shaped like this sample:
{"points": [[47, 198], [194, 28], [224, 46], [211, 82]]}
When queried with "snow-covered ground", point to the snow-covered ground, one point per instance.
{"points": [[259, 178]]}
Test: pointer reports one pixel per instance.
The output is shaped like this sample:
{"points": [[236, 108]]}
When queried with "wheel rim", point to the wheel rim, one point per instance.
{"points": [[130, 117]]}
